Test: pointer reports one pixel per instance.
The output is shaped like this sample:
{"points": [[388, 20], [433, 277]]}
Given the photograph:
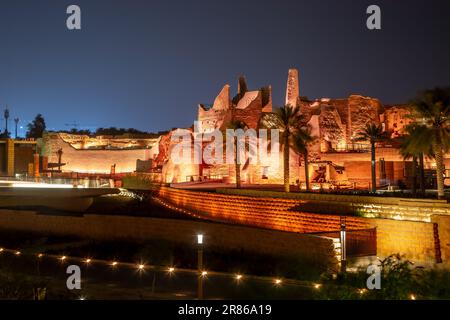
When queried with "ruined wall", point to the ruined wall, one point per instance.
{"points": [[175, 167], [292, 88], [91, 161], [334, 122], [218, 115], [249, 109], [362, 110], [332, 130], [120, 142], [395, 119]]}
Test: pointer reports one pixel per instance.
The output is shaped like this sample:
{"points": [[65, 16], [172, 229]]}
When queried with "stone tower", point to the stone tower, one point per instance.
{"points": [[292, 88], [242, 86]]}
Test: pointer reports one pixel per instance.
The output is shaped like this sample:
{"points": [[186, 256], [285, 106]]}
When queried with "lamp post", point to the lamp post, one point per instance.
{"points": [[6, 115], [200, 266], [16, 122], [343, 245]]}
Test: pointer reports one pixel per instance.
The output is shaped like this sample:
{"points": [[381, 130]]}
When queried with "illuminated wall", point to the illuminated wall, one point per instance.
{"points": [[92, 161], [417, 240]]}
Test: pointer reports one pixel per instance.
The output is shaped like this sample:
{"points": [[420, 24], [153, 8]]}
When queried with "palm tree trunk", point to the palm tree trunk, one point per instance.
{"points": [[305, 155], [238, 175], [414, 175], [439, 170], [238, 169], [374, 177], [421, 174], [286, 162]]}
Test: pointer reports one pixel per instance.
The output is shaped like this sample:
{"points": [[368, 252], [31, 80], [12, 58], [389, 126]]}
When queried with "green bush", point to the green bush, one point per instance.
{"points": [[400, 280]]}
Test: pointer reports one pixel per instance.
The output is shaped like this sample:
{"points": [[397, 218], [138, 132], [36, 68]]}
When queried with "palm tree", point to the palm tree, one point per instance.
{"points": [[372, 133], [287, 119], [301, 141], [432, 110], [235, 125], [415, 144], [405, 143]]}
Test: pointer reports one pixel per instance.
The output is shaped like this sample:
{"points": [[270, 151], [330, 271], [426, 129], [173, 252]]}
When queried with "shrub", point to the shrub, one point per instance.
{"points": [[400, 280]]}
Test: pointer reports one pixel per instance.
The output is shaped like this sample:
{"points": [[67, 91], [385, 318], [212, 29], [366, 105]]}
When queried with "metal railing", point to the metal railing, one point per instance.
{"points": [[85, 182]]}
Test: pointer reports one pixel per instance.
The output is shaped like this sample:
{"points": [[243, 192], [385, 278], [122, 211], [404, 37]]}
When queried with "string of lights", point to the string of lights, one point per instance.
{"points": [[172, 207], [141, 267], [169, 269]]}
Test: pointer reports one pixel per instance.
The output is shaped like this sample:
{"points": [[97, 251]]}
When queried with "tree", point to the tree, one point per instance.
{"points": [[301, 141], [85, 132], [16, 123], [431, 109], [236, 125], [287, 119], [372, 133], [415, 144], [37, 127]]}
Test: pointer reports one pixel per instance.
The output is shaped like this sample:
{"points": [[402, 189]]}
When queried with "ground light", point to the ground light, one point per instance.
{"points": [[201, 272], [343, 235]]}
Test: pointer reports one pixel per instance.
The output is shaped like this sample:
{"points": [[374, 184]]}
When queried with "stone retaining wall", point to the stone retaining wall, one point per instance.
{"points": [[415, 239], [319, 251]]}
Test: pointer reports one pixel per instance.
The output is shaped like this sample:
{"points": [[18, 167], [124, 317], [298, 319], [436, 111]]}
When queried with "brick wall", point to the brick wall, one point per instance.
{"points": [[443, 226], [414, 239], [367, 206]]}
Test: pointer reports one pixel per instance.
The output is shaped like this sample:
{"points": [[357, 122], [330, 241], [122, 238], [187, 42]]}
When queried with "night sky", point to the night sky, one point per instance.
{"points": [[147, 64]]}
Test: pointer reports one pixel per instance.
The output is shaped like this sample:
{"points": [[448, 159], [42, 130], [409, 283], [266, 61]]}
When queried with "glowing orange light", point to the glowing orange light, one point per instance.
{"points": [[141, 267], [17, 253], [412, 297], [114, 263], [317, 286], [171, 269], [278, 281], [362, 291], [204, 273], [63, 258], [238, 276]]}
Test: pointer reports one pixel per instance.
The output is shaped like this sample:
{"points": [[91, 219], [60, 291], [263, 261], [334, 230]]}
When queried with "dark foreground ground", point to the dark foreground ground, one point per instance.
{"points": [[101, 281], [21, 274]]}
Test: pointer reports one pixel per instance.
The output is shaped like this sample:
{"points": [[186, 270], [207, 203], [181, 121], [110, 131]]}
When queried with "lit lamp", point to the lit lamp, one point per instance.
{"points": [[200, 266], [199, 239], [343, 247]]}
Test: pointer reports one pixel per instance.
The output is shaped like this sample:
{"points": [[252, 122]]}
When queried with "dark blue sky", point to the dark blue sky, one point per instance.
{"points": [[147, 64]]}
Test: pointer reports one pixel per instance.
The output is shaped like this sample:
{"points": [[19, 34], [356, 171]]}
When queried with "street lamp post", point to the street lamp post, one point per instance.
{"points": [[16, 122], [343, 245], [6, 115], [200, 266]]}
